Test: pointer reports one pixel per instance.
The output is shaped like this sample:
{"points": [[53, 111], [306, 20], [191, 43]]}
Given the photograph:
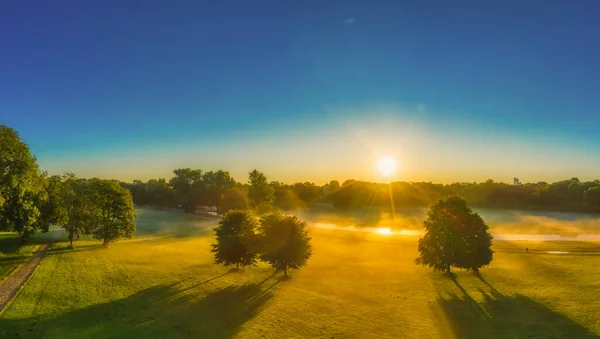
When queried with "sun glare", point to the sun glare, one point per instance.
{"points": [[386, 166], [384, 230]]}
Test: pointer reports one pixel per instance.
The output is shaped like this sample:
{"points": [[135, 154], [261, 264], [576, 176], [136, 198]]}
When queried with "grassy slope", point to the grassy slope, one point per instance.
{"points": [[356, 285], [12, 253]]}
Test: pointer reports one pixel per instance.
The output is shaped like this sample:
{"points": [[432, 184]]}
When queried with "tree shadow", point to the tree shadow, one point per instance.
{"points": [[478, 275], [157, 312], [75, 248], [504, 316], [9, 243]]}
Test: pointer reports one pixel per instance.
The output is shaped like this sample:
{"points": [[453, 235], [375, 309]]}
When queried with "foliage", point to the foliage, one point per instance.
{"points": [[217, 183], [284, 241], [236, 239], [189, 187], [79, 205], [567, 195], [234, 198], [454, 236], [111, 211], [21, 185], [259, 190]]}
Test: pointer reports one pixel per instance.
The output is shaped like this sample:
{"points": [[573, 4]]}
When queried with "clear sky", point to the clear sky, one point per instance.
{"points": [[306, 90]]}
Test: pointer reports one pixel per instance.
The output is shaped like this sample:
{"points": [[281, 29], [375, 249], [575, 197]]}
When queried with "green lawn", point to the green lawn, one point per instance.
{"points": [[162, 284], [12, 254]]}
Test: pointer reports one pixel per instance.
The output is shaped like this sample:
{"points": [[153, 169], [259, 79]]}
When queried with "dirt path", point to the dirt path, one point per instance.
{"points": [[10, 286]]}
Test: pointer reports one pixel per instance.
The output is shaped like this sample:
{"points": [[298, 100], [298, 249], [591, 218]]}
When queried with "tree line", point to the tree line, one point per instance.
{"points": [[190, 188], [570, 195], [32, 201]]}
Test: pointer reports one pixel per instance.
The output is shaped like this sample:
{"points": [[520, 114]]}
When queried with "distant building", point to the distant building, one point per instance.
{"points": [[326, 189], [516, 181]]}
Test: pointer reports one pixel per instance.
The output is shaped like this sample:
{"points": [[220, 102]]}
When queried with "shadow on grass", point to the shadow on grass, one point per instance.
{"points": [[504, 316], [157, 312], [9, 243], [478, 275], [75, 248]]}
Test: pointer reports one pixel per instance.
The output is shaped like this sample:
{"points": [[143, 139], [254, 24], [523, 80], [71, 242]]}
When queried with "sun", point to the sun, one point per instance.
{"points": [[386, 166], [384, 230]]}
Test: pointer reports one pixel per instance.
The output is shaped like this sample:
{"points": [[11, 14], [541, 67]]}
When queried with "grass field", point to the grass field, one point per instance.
{"points": [[12, 254], [162, 284]]}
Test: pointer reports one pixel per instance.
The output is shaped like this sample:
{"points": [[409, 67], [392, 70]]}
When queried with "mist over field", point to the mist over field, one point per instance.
{"points": [[501, 221]]}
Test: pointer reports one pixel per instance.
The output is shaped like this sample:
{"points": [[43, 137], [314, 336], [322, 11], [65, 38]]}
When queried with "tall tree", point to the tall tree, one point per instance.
{"points": [[259, 190], [189, 187], [21, 185], [217, 183], [454, 236], [112, 214], [79, 206], [284, 241], [236, 239], [53, 209]]}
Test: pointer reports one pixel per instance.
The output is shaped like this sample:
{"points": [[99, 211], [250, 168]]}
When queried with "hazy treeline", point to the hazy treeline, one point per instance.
{"points": [[191, 188], [197, 188], [567, 195]]}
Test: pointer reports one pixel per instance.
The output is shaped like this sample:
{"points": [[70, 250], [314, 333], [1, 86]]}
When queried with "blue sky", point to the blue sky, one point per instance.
{"points": [[306, 91]]}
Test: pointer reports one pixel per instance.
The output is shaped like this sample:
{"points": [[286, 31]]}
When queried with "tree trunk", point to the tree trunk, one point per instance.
{"points": [[71, 238], [285, 272], [448, 269], [237, 265]]}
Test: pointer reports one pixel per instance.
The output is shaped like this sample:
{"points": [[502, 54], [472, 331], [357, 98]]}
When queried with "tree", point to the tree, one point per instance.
{"points": [[334, 185], [21, 185], [284, 241], [216, 184], [53, 208], [79, 206], [234, 199], [454, 236], [189, 187], [236, 239], [112, 212], [259, 190]]}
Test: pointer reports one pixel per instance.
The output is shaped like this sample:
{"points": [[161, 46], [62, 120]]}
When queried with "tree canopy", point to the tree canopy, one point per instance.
{"points": [[259, 190], [236, 239], [454, 236], [111, 213], [284, 241], [21, 185]]}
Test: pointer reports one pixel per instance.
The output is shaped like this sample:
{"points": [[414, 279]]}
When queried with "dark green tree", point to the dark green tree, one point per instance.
{"points": [[259, 190], [236, 239], [284, 241], [111, 210], [53, 208], [189, 188], [454, 236], [79, 207], [217, 183], [21, 185]]}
